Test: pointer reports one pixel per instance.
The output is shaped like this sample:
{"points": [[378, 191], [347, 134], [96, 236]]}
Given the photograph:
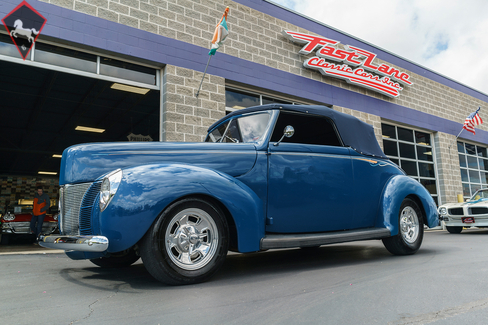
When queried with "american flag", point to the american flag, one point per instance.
{"points": [[472, 120]]}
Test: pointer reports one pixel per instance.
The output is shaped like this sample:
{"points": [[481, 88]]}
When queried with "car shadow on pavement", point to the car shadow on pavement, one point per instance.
{"points": [[241, 267], [279, 262]]}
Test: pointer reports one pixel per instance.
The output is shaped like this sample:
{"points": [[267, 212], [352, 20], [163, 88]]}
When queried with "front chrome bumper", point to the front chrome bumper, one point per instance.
{"points": [[21, 228], [75, 243]]}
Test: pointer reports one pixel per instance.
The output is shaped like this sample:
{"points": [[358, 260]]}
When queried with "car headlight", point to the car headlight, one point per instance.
{"points": [[443, 211], [110, 184], [9, 217]]}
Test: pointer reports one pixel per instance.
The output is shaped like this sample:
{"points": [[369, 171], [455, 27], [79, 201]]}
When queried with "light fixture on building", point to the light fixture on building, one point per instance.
{"points": [[57, 156], [89, 129], [131, 89], [47, 173]]}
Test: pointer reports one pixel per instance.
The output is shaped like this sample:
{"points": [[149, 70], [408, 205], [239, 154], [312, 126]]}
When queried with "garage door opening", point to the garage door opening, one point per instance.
{"points": [[44, 111]]}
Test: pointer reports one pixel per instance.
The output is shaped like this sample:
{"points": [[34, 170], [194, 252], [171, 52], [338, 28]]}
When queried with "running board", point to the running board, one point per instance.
{"points": [[272, 241]]}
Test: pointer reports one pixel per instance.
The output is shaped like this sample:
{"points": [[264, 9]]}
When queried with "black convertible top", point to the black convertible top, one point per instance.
{"points": [[354, 132]]}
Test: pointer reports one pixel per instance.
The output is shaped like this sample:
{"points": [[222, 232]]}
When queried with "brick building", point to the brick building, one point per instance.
{"points": [[160, 47]]}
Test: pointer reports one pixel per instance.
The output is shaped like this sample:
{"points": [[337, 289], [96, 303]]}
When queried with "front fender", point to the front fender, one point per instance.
{"points": [[145, 191], [395, 191]]}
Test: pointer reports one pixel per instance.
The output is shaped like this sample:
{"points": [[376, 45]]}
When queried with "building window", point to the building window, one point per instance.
{"points": [[473, 161], [413, 151], [128, 71], [237, 99], [9, 48], [63, 57]]}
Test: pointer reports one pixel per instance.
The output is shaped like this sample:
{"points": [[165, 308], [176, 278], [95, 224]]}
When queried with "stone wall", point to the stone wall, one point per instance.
{"points": [[186, 117]]}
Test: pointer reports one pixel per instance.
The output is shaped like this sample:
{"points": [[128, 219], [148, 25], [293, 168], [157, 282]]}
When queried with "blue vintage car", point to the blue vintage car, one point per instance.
{"points": [[272, 176]]}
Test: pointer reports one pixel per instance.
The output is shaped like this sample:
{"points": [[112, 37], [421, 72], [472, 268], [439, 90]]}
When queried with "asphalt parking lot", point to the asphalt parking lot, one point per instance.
{"points": [[350, 283]]}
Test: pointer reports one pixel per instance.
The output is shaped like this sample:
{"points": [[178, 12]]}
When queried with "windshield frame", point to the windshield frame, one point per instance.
{"points": [[485, 195], [264, 137]]}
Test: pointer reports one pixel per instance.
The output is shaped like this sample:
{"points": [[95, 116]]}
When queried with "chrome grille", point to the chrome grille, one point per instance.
{"points": [[86, 208], [70, 200]]}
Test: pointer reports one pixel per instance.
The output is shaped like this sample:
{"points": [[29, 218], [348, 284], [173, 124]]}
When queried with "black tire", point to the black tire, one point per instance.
{"points": [[122, 259], [454, 230], [410, 230], [187, 243]]}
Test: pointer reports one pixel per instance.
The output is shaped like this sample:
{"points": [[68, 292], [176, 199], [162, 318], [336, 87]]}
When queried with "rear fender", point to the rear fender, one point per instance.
{"points": [[145, 191], [396, 190]]}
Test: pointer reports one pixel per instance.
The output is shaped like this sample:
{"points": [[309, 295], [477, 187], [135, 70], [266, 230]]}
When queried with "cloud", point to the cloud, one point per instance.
{"points": [[444, 36]]}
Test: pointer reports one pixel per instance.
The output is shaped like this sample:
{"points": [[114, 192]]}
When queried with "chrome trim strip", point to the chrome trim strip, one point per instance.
{"points": [[75, 243], [310, 154], [174, 152]]}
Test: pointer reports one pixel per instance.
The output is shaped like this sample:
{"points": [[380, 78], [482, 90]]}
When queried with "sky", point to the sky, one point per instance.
{"points": [[448, 37]]}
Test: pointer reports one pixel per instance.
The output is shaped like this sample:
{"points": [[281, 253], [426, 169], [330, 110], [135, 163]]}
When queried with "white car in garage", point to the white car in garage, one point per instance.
{"points": [[472, 213]]}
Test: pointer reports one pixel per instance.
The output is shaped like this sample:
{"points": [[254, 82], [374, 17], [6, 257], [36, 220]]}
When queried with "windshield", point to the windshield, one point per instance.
{"points": [[18, 209], [243, 129], [481, 194]]}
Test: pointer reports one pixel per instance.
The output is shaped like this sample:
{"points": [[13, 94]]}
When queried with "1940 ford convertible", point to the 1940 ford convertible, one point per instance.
{"points": [[272, 176]]}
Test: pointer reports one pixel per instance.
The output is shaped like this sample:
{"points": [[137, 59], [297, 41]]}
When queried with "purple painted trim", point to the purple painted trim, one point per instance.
{"points": [[95, 32]]}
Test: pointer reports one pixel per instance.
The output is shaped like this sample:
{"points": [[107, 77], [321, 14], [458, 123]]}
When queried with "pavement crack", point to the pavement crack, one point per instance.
{"points": [[92, 305], [442, 314]]}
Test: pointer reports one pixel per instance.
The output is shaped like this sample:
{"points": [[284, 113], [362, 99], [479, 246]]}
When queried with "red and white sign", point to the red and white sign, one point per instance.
{"points": [[352, 64], [467, 220]]}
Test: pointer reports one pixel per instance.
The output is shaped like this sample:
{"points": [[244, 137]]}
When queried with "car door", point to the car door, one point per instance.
{"points": [[309, 177]]}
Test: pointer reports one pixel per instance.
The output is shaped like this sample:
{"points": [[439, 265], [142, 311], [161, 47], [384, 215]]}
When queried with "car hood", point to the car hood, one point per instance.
{"points": [[87, 162], [480, 202]]}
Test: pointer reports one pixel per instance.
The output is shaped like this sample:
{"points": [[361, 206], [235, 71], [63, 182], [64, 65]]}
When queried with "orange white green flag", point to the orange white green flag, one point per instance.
{"points": [[220, 33], [219, 36]]}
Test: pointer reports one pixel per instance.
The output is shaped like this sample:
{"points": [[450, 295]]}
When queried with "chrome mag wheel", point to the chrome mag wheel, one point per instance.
{"points": [[409, 225], [191, 239]]}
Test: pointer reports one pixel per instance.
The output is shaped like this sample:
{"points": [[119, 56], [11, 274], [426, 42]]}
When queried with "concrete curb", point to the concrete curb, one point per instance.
{"points": [[30, 252]]}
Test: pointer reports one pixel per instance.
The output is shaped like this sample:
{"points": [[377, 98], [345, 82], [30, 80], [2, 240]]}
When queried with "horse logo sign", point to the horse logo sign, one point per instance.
{"points": [[20, 30], [24, 24]]}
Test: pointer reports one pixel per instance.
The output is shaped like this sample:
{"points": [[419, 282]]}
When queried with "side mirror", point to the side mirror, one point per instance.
{"points": [[288, 132]]}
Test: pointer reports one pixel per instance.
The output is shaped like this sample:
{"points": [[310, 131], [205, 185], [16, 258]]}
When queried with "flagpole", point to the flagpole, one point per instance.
{"points": [[455, 139], [204, 73]]}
